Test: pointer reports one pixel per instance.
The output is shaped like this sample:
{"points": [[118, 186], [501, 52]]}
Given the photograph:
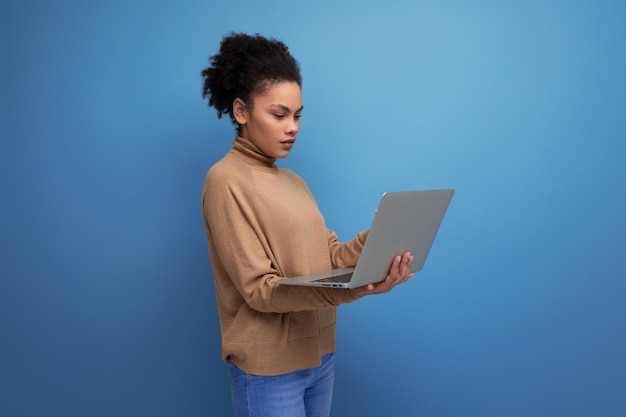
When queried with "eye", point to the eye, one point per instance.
{"points": [[298, 116], [279, 116]]}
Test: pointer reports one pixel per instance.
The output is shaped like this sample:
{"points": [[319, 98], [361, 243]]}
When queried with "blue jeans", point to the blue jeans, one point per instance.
{"points": [[303, 393]]}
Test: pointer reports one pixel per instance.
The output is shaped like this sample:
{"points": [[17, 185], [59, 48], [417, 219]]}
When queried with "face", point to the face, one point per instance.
{"points": [[274, 120]]}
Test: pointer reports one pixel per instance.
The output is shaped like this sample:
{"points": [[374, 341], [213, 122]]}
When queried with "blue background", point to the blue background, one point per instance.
{"points": [[106, 297]]}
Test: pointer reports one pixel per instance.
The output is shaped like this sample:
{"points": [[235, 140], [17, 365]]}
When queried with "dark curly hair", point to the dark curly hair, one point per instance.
{"points": [[244, 67]]}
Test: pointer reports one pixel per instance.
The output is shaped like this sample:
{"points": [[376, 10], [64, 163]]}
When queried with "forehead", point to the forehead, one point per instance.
{"points": [[286, 93]]}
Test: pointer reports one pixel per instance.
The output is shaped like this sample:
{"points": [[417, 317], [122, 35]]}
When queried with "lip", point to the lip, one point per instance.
{"points": [[288, 143]]}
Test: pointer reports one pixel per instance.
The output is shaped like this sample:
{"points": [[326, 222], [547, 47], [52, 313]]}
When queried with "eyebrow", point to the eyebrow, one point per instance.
{"points": [[285, 108]]}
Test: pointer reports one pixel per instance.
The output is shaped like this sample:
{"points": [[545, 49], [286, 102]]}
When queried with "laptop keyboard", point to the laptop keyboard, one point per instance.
{"points": [[337, 278]]}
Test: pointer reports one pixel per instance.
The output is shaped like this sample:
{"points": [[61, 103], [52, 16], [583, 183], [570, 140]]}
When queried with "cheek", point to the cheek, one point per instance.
{"points": [[268, 125]]}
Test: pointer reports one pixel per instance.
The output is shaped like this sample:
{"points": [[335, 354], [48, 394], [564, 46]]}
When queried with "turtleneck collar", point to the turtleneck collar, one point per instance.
{"points": [[248, 152]]}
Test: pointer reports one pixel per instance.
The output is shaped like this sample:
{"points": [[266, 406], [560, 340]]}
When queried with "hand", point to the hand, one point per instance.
{"points": [[399, 273]]}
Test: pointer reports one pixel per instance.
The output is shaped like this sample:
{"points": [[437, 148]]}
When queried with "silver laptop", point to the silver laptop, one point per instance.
{"points": [[404, 221]]}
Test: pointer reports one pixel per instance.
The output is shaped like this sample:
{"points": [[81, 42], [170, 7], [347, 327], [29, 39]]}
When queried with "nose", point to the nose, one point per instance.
{"points": [[293, 126]]}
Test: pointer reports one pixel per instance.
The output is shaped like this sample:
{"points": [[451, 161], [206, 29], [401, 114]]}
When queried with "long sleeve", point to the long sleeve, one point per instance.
{"points": [[346, 254], [245, 253], [263, 224]]}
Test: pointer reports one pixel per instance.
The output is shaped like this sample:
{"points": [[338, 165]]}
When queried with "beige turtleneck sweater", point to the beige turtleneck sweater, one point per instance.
{"points": [[263, 224]]}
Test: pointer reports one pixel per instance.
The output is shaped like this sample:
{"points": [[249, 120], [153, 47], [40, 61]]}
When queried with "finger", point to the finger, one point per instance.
{"points": [[396, 265], [405, 266]]}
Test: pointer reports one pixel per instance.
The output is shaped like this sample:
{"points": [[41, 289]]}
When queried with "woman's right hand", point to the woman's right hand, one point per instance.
{"points": [[399, 273]]}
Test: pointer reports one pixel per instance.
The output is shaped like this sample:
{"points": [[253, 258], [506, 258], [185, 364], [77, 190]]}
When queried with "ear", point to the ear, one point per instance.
{"points": [[240, 111]]}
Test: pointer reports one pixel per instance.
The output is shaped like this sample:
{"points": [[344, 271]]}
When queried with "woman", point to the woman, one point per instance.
{"points": [[263, 225]]}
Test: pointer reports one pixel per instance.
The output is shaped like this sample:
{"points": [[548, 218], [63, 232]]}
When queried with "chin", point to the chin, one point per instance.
{"points": [[282, 154]]}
